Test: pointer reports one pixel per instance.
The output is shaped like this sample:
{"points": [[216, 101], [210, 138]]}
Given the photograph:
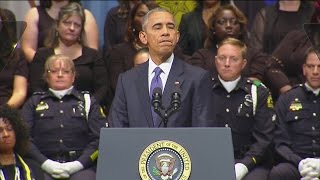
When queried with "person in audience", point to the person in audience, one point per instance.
{"points": [[141, 56], [13, 67], [121, 56], [14, 141], [272, 23], [116, 24], [64, 124], [284, 66], [228, 21], [41, 19], [67, 39], [246, 107], [193, 36], [132, 107], [297, 135]]}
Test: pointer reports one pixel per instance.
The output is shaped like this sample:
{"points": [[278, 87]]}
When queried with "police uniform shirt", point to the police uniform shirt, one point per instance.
{"points": [[251, 134], [297, 134], [60, 125]]}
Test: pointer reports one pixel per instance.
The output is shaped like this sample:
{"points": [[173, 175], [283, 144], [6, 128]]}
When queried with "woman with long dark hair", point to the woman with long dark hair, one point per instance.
{"points": [[13, 67]]}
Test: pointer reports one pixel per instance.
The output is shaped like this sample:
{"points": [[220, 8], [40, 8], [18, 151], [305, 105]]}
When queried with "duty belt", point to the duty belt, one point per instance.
{"points": [[66, 156]]}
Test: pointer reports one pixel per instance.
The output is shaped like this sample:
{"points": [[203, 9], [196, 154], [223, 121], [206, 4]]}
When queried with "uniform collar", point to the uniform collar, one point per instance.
{"points": [[73, 93], [316, 92], [240, 85]]}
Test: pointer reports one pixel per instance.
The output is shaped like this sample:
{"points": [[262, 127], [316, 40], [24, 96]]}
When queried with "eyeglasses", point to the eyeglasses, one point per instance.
{"points": [[223, 59], [224, 22], [61, 71]]}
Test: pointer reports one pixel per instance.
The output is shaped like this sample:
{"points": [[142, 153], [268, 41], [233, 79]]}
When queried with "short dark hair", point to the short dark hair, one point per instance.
{"points": [[308, 52], [147, 16], [12, 116]]}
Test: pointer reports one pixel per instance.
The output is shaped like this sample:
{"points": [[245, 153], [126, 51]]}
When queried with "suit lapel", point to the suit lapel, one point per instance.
{"points": [[143, 92], [174, 76]]}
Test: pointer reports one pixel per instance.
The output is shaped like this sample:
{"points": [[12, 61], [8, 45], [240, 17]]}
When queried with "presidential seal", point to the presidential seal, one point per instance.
{"points": [[165, 160]]}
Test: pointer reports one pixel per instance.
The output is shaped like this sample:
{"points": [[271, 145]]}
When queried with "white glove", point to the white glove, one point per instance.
{"points": [[309, 178], [73, 167], [55, 169], [303, 168], [310, 167], [60, 174], [241, 170]]}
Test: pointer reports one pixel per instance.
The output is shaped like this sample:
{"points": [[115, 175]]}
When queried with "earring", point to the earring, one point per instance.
{"points": [[57, 34]]}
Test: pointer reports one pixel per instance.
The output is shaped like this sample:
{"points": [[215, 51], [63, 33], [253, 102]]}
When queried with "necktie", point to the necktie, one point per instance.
{"points": [[156, 82]]}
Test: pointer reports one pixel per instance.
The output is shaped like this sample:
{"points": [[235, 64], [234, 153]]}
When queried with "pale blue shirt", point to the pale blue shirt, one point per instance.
{"points": [[165, 66]]}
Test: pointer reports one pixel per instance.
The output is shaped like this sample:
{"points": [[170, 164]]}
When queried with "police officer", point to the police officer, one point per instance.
{"points": [[297, 135], [246, 107], [64, 124]]}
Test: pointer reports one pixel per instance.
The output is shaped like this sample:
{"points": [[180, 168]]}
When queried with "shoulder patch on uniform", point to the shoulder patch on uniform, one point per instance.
{"points": [[270, 102]]}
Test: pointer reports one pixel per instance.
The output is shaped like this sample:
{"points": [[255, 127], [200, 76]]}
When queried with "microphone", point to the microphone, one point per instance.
{"points": [[176, 97], [156, 98]]}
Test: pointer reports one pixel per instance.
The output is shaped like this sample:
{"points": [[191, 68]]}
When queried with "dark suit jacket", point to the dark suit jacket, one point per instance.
{"points": [[192, 32], [131, 106]]}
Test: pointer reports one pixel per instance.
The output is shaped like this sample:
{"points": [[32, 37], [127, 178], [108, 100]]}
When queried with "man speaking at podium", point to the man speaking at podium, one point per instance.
{"points": [[164, 91]]}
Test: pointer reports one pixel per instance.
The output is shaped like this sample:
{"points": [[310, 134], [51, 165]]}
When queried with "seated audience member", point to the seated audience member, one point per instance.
{"points": [[120, 58], [14, 143], [141, 56], [132, 107], [272, 23], [116, 24], [13, 67], [246, 107], [284, 67], [297, 135], [41, 19], [67, 39], [228, 21], [64, 124], [192, 37]]}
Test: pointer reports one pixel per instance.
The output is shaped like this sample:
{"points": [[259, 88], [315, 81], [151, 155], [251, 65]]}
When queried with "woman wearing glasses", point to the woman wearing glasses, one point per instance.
{"points": [[228, 21], [67, 39]]}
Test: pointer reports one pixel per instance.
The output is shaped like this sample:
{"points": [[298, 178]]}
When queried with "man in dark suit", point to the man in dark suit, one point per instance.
{"points": [[132, 105]]}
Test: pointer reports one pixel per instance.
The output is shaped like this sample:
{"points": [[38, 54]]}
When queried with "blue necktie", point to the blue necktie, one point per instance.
{"points": [[156, 82]]}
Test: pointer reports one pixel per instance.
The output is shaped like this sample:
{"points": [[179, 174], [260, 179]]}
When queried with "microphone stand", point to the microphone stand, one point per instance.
{"points": [[175, 105], [157, 106]]}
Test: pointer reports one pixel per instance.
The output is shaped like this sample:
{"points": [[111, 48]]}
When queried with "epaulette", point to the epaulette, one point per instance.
{"points": [[85, 92], [39, 93], [255, 82], [297, 85], [294, 87]]}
